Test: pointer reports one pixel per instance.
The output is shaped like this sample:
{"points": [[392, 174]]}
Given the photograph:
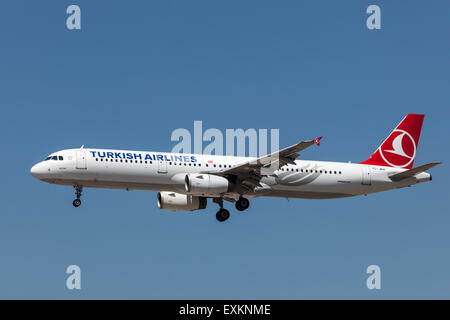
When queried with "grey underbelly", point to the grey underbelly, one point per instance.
{"points": [[180, 188], [305, 194], [114, 184]]}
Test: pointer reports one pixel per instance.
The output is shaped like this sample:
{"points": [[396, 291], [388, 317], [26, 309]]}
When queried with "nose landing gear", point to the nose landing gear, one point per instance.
{"points": [[77, 202]]}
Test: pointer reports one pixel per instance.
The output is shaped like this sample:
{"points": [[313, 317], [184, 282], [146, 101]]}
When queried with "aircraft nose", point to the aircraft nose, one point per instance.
{"points": [[37, 171]]}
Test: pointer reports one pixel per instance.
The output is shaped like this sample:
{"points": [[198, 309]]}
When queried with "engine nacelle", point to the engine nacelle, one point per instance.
{"points": [[180, 202], [205, 184]]}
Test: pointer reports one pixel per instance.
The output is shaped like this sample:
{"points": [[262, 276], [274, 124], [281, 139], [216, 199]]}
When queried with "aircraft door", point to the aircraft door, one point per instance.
{"points": [[162, 166], [366, 175], [81, 161]]}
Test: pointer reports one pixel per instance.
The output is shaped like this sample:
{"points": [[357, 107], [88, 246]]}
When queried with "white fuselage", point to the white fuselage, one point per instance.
{"points": [[124, 169]]}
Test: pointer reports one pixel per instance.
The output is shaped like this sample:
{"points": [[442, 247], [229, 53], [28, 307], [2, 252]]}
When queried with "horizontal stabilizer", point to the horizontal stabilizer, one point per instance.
{"points": [[411, 172]]}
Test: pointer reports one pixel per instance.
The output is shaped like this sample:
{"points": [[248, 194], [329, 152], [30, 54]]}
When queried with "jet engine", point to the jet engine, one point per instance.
{"points": [[180, 202], [205, 184]]}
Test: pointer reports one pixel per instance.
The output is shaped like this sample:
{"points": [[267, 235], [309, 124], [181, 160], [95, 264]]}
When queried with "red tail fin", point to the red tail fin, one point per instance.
{"points": [[399, 149]]}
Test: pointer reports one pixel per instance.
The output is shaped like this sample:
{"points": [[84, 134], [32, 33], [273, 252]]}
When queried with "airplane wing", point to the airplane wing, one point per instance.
{"points": [[250, 173], [412, 172]]}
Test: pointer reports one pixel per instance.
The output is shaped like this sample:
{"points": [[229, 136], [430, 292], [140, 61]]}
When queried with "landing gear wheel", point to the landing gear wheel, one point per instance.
{"points": [[76, 203], [222, 215], [242, 204]]}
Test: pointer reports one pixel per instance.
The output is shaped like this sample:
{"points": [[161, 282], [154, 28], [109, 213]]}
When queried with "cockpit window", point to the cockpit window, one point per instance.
{"points": [[60, 158]]}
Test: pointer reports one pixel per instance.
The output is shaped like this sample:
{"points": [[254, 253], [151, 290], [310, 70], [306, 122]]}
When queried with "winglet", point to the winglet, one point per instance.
{"points": [[317, 140]]}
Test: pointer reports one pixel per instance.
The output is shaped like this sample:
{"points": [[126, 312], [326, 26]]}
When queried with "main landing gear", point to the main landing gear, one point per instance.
{"points": [[242, 204], [223, 214], [77, 202]]}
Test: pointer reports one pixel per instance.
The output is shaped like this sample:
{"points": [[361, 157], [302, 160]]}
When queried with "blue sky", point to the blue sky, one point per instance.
{"points": [[138, 70]]}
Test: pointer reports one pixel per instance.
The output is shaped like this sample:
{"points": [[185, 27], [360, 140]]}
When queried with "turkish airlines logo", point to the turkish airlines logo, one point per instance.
{"points": [[399, 149]]}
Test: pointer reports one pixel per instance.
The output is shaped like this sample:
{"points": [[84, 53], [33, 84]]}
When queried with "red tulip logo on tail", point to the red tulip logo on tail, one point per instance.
{"points": [[402, 150], [399, 149]]}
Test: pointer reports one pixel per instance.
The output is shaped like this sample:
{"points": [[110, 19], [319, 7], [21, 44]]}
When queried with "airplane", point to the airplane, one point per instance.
{"points": [[186, 181]]}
